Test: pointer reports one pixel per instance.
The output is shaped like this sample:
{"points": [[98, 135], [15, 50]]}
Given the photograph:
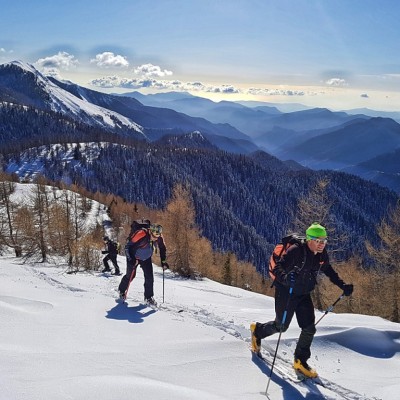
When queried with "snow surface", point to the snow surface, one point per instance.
{"points": [[64, 336]]}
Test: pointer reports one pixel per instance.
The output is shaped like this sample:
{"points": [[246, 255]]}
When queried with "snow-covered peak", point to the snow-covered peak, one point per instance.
{"points": [[23, 65], [59, 100]]}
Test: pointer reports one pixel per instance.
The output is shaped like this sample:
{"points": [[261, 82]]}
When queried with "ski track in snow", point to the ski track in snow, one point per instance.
{"points": [[242, 333], [330, 390]]}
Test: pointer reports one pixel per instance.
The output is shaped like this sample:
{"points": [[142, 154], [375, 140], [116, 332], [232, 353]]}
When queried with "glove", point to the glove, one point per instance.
{"points": [[347, 289], [164, 265]]}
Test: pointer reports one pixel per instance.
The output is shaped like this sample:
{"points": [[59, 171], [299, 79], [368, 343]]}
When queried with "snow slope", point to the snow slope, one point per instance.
{"points": [[60, 100], [65, 337]]}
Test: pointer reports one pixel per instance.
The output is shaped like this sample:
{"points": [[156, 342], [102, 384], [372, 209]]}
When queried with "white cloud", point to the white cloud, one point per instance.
{"points": [[226, 89], [275, 92], [151, 71], [176, 85], [135, 83], [51, 66], [61, 60], [195, 86], [338, 82], [109, 60]]}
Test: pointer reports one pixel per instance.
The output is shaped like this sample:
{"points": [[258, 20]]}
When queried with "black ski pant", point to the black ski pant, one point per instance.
{"points": [[303, 307], [147, 267], [113, 258]]}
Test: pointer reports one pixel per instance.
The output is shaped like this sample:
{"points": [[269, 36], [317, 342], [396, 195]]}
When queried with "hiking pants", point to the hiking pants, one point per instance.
{"points": [[303, 307], [113, 258], [147, 267]]}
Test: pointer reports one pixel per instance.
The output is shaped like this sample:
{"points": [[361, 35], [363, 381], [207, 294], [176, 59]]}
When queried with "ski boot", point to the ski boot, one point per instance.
{"points": [[255, 341], [151, 302], [303, 368]]}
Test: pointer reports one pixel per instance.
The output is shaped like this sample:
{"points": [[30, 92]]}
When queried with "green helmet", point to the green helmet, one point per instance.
{"points": [[315, 231]]}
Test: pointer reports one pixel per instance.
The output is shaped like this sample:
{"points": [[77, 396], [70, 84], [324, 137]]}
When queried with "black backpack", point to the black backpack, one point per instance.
{"points": [[143, 242], [139, 224], [113, 247]]}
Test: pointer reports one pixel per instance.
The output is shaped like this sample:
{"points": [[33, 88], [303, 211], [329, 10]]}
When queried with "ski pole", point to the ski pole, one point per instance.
{"points": [[163, 280], [280, 332], [330, 308]]}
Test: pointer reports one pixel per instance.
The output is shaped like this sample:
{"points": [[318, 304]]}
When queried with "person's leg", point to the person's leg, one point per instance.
{"points": [[306, 319], [105, 262], [147, 267], [283, 302], [127, 278], [113, 258]]}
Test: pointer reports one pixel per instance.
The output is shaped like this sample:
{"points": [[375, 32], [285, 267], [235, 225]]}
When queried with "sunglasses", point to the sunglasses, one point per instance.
{"points": [[319, 241]]}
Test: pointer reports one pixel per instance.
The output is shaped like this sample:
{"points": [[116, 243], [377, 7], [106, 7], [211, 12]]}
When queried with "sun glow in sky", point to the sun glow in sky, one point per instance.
{"points": [[338, 54]]}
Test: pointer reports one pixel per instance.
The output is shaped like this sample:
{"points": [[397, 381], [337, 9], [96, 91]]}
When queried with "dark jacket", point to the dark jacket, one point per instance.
{"points": [[112, 248], [305, 272], [140, 246]]}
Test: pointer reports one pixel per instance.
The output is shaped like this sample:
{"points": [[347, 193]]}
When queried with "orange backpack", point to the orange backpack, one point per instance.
{"points": [[280, 250]]}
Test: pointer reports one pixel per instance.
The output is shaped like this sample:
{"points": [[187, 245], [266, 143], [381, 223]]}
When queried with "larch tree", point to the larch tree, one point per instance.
{"points": [[182, 233], [9, 235], [387, 258]]}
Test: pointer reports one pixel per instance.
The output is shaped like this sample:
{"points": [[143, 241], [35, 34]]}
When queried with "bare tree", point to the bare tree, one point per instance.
{"points": [[9, 235], [387, 258], [314, 207], [38, 241]]}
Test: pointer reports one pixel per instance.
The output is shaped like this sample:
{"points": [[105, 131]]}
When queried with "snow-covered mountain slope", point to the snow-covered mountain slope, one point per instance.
{"points": [[30, 87], [64, 336]]}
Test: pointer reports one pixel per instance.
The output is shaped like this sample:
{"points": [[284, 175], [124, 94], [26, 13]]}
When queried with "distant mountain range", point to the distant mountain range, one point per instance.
{"points": [[316, 138], [244, 202], [22, 84]]}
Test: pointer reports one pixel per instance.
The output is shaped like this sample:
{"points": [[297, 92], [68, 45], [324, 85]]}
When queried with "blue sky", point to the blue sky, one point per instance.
{"points": [[339, 54]]}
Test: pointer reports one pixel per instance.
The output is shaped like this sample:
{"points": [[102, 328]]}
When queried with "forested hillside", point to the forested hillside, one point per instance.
{"points": [[25, 126], [241, 205]]}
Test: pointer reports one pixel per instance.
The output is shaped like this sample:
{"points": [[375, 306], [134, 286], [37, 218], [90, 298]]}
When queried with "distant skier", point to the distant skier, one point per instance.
{"points": [[296, 276], [139, 249], [112, 252]]}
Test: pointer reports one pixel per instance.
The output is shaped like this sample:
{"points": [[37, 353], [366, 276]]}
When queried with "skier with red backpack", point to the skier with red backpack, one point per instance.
{"points": [[143, 240], [295, 275]]}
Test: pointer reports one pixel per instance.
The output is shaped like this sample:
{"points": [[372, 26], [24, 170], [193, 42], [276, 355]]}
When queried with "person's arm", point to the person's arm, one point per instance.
{"points": [[163, 252], [286, 265], [333, 276]]}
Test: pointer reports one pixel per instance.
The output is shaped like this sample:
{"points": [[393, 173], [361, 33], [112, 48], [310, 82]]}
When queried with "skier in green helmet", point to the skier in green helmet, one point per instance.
{"points": [[296, 276]]}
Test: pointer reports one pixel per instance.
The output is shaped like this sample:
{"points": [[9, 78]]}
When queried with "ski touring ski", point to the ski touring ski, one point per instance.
{"points": [[284, 370]]}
